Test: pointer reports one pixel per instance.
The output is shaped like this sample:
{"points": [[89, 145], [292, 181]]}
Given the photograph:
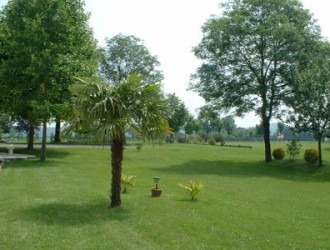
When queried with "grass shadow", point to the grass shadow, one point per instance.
{"points": [[298, 171], [50, 152], [51, 159], [73, 214]]}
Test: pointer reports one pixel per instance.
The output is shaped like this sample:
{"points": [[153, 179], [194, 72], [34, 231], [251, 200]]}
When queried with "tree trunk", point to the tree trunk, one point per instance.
{"points": [[57, 138], [268, 153], [319, 140], [117, 148], [44, 140], [30, 137]]}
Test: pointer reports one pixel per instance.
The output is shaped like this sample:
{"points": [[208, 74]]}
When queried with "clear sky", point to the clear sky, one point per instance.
{"points": [[170, 29]]}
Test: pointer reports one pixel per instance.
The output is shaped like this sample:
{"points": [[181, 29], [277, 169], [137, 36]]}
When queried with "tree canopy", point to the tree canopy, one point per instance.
{"points": [[46, 43], [249, 53], [178, 112], [126, 55], [310, 101]]}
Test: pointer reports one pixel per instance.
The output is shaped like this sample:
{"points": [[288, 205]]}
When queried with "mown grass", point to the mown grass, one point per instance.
{"points": [[246, 203]]}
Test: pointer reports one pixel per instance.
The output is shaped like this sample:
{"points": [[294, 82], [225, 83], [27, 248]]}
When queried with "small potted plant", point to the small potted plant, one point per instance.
{"points": [[156, 191]]}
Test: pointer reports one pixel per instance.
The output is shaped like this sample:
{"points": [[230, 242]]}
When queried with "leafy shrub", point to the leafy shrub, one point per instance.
{"points": [[220, 139], [293, 149], [127, 181], [195, 139], [193, 189], [311, 155], [139, 146], [203, 137], [181, 140], [278, 153], [169, 139], [212, 142]]}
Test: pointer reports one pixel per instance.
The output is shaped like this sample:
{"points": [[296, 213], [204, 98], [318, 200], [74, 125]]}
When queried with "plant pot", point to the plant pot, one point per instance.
{"points": [[156, 192]]}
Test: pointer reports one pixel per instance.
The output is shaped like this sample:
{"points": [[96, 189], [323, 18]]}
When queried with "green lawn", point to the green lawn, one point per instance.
{"points": [[246, 204]]}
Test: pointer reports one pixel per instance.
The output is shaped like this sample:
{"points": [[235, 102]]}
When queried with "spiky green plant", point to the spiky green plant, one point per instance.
{"points": [[127, 181], [193, 188]]}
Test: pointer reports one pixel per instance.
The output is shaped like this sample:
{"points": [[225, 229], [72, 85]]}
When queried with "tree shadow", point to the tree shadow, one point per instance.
{"points": [[297, 171], [30, 163], [50, 152], [73, 214], [51, 161]]}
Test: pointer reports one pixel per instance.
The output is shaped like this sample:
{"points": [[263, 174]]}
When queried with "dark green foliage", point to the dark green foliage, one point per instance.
{"points": [[219, 138], [278, 154], [310, 101], [126, 55], [209, 119], [181, 140], [47, 43], [178, 112], [212, 142], [139, 146], [5, 123], [311, 155]]}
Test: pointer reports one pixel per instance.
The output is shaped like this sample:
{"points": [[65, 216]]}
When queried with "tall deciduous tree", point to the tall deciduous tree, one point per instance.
{"points": [[111, 109], [126, 55], [48, 42], [248, 56], [310, 101], [209, 119], [178, 112], [228, 124]]}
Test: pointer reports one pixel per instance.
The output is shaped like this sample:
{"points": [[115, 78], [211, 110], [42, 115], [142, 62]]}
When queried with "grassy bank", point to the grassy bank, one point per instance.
{"points": [[246, 204]]}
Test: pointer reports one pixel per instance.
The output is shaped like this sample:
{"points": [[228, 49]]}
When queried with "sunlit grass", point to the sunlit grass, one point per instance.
{"points": [[245, 203]]}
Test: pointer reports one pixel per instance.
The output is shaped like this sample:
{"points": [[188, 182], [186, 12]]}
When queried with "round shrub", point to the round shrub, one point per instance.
{"points": [[311, 155], [212, 142], [278, 153], [219, 138]]}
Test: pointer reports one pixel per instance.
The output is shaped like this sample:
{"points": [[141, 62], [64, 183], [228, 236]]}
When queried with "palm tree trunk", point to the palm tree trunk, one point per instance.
{"points": [[117, 148]]}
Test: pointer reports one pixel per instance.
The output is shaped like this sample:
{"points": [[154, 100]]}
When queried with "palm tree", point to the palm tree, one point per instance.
{"points": [[111, 109]]}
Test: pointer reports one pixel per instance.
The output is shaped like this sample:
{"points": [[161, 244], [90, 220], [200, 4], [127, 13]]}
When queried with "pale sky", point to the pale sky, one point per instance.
{"points": [[170, 29]]}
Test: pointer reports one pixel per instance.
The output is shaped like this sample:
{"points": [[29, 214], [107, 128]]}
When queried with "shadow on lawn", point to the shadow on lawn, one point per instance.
{"points": [[50, 152], [74, 214], [297, 171], [51, 159]]}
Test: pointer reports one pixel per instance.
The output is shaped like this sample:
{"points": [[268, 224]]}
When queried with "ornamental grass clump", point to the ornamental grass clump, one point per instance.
{"points": [[193, 188], [127, 181]]}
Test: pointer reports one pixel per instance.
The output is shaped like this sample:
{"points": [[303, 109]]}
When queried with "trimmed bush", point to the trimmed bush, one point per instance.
{"points": [[278, 153], [311, 155]]}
